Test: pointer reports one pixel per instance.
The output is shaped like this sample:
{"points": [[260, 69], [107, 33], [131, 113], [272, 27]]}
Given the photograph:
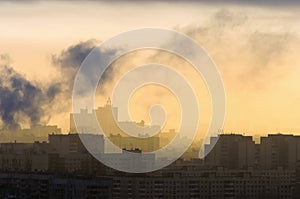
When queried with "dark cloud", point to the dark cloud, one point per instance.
{"points": [[72, 57], [53, 90], [69, 61], [20, 99]]}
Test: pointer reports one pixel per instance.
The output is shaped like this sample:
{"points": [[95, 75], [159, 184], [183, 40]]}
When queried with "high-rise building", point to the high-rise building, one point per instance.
{"points": [[278, 150], [101, 120], [231, 151], [124, 134]]}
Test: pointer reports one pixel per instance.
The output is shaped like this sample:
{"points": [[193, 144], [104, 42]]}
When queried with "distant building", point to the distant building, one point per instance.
{"points": [[278, 150], [24, 156], [72, 143], [15, 185], [70, 155], [231, 151], [63, 153], [34, 133], [236, 167], [129, 159], [207, 184], [123, 134], [166, 137], [86, 122], [238, 151]]}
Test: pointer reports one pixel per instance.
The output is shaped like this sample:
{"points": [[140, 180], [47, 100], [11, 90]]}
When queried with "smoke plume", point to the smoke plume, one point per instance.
{"points": [[21, 100]]}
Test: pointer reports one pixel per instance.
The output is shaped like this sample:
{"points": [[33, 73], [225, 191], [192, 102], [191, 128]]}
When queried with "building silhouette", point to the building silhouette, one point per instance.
{"points": [[236, 167], [32, 185], [124, 134], [28, 135], [231, 151], [279, 150]]}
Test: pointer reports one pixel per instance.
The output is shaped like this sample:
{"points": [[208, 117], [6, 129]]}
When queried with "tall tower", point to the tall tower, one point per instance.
{"points": [[108, 117], [108, 103]]}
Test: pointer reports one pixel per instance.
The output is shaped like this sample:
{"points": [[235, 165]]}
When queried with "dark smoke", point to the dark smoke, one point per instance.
{"points": [[69, 61], [20, 98], [72, 57]]}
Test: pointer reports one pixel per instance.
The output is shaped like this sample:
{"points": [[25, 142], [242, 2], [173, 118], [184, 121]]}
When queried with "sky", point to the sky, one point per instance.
{"points": [[254, 44]]}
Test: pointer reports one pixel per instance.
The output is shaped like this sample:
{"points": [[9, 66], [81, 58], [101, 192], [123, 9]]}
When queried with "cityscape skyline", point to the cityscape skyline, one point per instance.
{"points": [[129, 99], [235, 168], [91, 126]]}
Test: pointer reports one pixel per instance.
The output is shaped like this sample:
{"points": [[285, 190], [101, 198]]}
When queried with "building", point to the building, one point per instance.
{"points": [[24, 156], [69, 154], [123, 134], [231, 151], [72, 143], [86, 122], [133, 160], [207, 184], [63, 153], [278, 150], [29, 185], [34, 133], [229, 176], [166, 137]]}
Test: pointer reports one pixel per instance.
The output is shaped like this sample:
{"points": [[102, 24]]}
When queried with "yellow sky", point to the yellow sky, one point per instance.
{"points": [[262, 93]]}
